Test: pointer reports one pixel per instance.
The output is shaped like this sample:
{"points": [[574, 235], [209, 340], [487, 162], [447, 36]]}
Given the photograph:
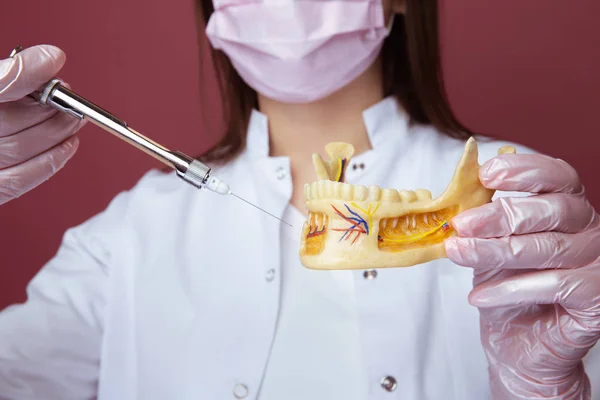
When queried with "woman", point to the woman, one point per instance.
{"points": [[222, 308]]}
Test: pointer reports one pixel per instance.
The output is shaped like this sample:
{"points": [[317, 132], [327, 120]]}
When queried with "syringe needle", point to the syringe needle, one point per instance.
{"points": [[253, 205]]}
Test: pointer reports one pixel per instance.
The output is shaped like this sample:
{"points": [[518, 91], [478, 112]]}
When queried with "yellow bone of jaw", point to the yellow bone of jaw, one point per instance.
{"points": [[333, 170], [414, 238], [368, 213]]}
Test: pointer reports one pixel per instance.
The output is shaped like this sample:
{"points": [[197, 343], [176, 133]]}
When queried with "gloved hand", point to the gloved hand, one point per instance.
{"points": [[35, 142], [537, 277]]}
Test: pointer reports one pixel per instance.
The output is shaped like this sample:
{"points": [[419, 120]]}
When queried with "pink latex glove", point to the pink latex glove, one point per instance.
{"points": [[35, 142], [537, 277]]}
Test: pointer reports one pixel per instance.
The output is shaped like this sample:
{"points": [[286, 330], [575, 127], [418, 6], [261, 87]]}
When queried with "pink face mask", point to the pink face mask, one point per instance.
{"points": [[298, 51]]}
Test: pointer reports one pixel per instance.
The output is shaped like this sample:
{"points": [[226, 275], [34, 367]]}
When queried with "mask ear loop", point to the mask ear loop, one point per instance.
{"points": [[372, 35], [390, 24]]}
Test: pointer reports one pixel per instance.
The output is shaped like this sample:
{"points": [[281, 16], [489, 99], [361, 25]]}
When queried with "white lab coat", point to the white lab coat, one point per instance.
{"points": [[173, 293]]}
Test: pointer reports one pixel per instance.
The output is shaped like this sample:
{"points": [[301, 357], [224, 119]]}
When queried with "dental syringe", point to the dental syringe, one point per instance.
{"points": [[55, 94]]}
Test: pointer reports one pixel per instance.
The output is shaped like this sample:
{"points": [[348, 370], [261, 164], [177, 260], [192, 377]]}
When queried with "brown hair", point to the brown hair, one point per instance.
{"points": [[411, 69]]}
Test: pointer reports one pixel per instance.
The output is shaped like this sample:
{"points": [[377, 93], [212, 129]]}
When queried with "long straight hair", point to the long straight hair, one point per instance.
{"points": [[411, 72]]}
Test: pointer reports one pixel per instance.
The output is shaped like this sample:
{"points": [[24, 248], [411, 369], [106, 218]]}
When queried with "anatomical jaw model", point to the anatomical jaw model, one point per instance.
{"points": [[355, 227]]}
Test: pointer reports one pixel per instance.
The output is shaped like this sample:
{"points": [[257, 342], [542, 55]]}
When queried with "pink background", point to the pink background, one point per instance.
{"points": [[522, 71]]}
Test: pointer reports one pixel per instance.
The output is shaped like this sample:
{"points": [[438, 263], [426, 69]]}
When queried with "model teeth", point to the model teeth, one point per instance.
{"points": [[347, 192], [407, 196], [390, 195], [374, 193], [337, 190], [321, 188], [314, 192], [326, 189], [423, 194], [361, 193]]}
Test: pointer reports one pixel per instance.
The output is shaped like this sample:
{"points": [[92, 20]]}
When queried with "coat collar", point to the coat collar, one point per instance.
{"points": [[386, 122]]}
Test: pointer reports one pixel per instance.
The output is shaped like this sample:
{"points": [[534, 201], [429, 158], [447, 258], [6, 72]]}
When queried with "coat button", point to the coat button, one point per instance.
{"points": [[270, 275], [280, 173], [389, 383], [240, 391], [370, 274]]}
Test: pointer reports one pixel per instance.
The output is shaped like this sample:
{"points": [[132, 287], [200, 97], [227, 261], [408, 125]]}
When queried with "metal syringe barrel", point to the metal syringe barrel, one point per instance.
{"points": [[56, 95]]}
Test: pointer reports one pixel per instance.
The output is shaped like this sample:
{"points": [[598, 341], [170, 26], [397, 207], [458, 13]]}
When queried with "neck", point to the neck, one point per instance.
{"points": [[302, 129]]}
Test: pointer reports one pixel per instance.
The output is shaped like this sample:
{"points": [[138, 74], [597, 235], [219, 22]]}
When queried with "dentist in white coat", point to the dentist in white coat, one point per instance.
{"points": [[207, 299]]}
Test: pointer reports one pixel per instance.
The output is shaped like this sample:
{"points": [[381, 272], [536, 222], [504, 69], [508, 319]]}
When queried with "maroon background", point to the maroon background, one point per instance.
{"points": [[523, 71]]}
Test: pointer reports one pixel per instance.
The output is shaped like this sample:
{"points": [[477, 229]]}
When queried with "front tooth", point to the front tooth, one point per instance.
{"points": [[423, 194], [321, 189], [383, 223], [337, 190], [347, 191], [408, 196], [425, 218], [405, 222], [360, 193], [328, 189], [414, 221], [314, 191], [307, 191], [394, 223], [311, 219], [390, 195], [374, 193], [318, 221]]}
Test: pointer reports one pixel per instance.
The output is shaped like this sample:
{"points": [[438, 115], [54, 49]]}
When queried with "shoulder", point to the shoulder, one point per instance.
{"points": [[442, 145], [157, 204]]}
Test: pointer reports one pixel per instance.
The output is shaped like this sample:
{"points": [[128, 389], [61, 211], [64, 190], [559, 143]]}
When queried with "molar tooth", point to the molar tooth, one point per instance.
{"points": [[374, 193], [384, 223], [360, 193], [337, 190], [319, 220], [314, 191], [311, 219], [408, 196], [390, 195], [423, 194], [347, 191]]}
